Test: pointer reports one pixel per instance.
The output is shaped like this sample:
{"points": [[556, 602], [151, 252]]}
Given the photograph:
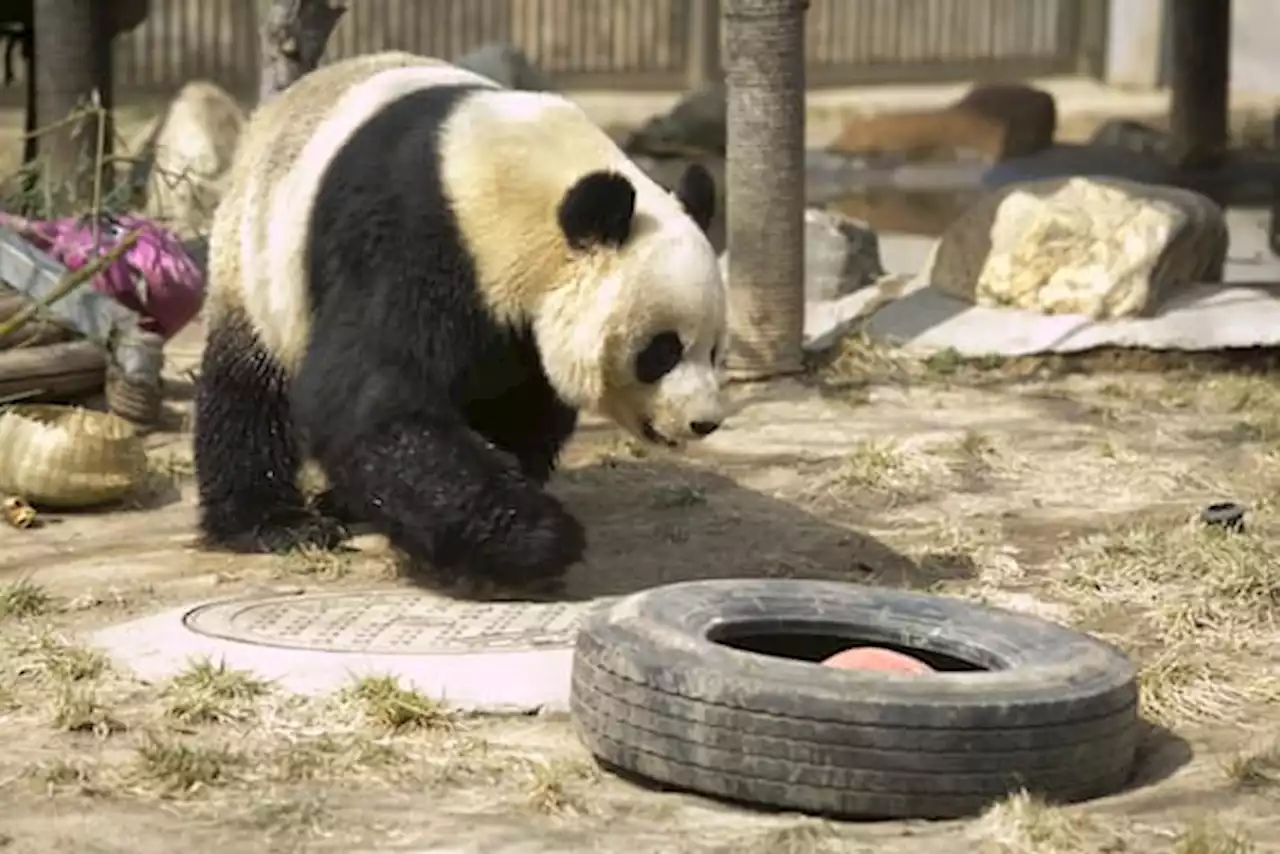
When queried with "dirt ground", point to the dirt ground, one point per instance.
{"points": [[1059, 487]]}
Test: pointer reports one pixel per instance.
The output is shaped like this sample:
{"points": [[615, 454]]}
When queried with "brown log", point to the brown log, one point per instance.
{"points": [[72, 368], [72, 386], [35, 333]]}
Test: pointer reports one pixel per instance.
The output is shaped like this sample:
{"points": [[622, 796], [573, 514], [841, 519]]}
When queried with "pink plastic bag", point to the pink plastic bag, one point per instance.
{"points": [[156, 278]]}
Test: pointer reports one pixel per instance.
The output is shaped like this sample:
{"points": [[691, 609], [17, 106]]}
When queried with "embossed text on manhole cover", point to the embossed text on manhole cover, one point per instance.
{"points": [[389, 623]]}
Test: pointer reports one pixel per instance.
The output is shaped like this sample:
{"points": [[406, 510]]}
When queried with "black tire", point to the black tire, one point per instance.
{"points": [[655, 696]]}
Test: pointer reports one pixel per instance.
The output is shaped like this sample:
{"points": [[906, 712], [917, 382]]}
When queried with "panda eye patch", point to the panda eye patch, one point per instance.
{"points": [[660, 355]]}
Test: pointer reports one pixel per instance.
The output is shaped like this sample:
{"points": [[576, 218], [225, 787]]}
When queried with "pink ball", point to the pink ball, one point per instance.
{"points": [[878, 659]]}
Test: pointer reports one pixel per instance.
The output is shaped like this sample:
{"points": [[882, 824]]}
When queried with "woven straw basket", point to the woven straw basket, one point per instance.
{"points": [[66, 457]]}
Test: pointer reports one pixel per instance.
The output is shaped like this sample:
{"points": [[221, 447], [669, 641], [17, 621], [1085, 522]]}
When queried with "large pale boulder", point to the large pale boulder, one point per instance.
{"points": [[1101, 247], [184, 155]]}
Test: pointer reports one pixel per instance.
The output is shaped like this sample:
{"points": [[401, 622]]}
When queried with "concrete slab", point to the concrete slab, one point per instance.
{"points": [[1207, 317], [483, 656]]}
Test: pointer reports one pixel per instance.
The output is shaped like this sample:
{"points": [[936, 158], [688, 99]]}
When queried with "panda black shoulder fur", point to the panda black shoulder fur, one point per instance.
{"points": [[418, 279]]}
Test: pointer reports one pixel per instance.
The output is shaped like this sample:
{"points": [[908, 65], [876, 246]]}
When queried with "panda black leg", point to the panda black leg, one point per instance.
{"points": [[529, 422], [441, 495], [437, 489], [246, 450], [332, 506]]}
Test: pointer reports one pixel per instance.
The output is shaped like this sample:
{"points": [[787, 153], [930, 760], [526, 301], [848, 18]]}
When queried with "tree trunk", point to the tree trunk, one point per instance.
{"points": [[1200, 81], [105, 82], [294, 35], [765, 178], [68, 52]]}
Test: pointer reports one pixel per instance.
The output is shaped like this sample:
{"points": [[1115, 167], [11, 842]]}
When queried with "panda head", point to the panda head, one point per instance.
{"points": [[637, 323]]}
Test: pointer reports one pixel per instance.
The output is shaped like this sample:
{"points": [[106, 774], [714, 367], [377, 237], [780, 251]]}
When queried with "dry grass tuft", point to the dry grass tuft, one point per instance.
{"points": [[321, 564], [1211, 837], [212, 693], [292, 817], [808, 836], [1024, 824], [111, 598], [1180, 583], [858, 361], [80, 710], [67, 775], [1194, 605], [388, 705], [1245, 377], [176, 767], [886, 468], [974, 450], [22, 599], [8, 699], [331, 757], [1254, 770], [553, 786], [1187, 684], [52, 658]]}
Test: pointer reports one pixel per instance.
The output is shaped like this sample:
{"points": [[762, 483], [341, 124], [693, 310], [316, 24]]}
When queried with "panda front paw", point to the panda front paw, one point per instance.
{"points": [[551, 539], [533, 539]]}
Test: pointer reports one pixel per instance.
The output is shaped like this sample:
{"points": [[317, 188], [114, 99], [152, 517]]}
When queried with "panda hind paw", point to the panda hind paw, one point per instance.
{"points": [[288, 532], [309, 530]]}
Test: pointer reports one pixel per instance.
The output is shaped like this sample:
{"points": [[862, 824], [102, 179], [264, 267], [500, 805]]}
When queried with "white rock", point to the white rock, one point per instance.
{"points": [[1101, 247], [190, 150], [841, 255]]}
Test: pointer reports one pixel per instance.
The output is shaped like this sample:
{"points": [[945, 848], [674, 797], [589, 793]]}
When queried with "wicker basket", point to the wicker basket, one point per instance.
{"points": [[66, 457]]}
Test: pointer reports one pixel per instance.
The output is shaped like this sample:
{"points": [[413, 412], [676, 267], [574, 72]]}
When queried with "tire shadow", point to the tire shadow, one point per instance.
{"points": [[1161, 754]]}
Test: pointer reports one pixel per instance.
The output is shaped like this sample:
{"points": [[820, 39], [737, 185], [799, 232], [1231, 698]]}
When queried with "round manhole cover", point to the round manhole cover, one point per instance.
{"points": [[394, 622]]}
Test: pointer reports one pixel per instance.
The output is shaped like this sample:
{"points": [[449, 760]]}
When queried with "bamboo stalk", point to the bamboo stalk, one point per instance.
{"points": [[70, 282]]}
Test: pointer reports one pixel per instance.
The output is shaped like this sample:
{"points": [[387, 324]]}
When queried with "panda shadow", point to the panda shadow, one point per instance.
{"points": [[651, 522]]}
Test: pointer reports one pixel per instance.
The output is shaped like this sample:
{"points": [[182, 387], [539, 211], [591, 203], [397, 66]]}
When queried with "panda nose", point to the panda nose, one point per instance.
{"points": [[704, 428]]}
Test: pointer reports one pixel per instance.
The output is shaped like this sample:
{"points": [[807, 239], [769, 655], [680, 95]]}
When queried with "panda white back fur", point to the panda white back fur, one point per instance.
{"points": [[419, 278]]}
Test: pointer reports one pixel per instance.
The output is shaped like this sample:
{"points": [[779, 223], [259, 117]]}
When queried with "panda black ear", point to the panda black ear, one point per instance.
{"points": [[697, 192], [597, 210]]}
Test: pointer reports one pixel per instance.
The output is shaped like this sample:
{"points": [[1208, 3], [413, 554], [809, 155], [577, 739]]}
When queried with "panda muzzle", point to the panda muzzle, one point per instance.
{"points": [[652, 435]]}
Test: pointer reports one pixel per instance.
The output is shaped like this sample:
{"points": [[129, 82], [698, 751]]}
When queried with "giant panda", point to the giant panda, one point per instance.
{"points": [[417, 279]]}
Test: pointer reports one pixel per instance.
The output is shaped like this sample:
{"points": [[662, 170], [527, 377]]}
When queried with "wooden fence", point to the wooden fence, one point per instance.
{"points": [[638, 44]]}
